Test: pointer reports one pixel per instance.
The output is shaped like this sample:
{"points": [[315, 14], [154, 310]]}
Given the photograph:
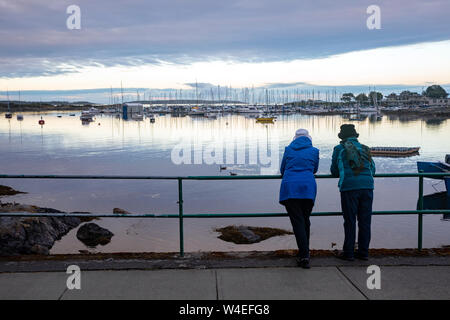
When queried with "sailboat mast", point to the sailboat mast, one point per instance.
{"points": [[7, 94], [121, 90], [196, 91]]}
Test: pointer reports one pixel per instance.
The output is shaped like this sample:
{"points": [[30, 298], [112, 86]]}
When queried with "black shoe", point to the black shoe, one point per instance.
{"points": [[303, 263], [361, 257], [342, 256]]}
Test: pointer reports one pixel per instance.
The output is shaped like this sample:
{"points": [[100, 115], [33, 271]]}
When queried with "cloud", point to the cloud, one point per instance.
{"points": [[35, 40], [279, 85], [201, 85]]}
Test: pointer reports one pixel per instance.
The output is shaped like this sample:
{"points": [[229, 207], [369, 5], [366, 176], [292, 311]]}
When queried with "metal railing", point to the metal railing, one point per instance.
{"points": [[180, 215]]}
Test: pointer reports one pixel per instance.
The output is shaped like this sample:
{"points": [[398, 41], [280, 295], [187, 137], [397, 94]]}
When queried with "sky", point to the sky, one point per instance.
{"points": [[170, 44]]}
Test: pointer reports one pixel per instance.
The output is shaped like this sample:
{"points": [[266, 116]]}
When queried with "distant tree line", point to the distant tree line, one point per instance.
{"points": [[434, 91]]}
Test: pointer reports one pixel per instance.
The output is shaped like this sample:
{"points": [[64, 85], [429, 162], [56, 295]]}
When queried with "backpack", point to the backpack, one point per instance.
{"points": [[355, 156]]}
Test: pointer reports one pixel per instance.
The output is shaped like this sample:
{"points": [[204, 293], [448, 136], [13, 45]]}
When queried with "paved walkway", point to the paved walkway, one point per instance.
{"points": [[325, 282]]}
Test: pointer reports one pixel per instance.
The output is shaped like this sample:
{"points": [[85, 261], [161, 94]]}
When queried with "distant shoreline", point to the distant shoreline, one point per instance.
{"points": [[443, 112]]}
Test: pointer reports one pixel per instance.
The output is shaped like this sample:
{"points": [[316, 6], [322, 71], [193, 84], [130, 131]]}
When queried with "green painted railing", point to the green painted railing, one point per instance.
{"points": [[181, 215]]}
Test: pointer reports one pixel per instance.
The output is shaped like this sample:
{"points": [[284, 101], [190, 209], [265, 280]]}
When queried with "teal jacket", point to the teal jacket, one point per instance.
{"points": [[340, 167]]}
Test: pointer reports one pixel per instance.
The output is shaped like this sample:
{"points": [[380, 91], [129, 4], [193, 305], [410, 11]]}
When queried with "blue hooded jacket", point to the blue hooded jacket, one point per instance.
{"points": [[300, 162]]}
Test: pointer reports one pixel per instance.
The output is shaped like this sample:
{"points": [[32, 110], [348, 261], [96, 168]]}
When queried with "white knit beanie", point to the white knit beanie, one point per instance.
{"points": [[302, 133]]}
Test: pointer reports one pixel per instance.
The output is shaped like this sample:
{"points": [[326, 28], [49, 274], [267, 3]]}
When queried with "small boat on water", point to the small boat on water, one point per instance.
{"points": [[437, 201], [86, 116], [196, 112], [93, 110], [137, 117], [8, 115], [394, 151], [210, 115], [437, 167], [19, 117], [265, 119], [249, 109]]}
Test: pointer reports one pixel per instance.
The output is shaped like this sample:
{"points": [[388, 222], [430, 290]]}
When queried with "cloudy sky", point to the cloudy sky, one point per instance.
{"points": [[240, 43]]}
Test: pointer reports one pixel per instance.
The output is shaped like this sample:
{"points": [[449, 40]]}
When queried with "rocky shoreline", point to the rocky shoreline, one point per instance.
{"points": [[37, 235], [31, 235]]}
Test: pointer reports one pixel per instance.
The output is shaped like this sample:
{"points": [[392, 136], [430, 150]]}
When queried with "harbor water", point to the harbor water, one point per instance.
{"points": [[182, 146]]}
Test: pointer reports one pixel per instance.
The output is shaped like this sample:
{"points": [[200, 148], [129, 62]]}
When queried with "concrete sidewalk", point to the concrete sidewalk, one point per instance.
{"points": [[325, 282]]}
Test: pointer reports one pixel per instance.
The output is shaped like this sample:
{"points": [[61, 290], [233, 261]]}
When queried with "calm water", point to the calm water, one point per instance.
{"points": [[112, 146]]}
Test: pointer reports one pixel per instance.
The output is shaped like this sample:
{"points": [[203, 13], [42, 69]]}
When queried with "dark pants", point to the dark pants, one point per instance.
{"points": [[357, 205], [299, 211]]}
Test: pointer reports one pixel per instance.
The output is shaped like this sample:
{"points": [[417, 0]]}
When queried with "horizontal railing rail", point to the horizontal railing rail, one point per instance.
{"points": [[241, 177], [181, 215]]}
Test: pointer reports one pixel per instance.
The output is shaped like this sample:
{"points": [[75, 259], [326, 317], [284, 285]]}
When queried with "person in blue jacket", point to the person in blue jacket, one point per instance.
{"points": [[298, 189], [353, 164]]}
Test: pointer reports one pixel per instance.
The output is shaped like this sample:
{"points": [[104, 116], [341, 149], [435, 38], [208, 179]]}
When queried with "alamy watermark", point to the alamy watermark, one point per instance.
{"points": [[264, 153], [73, 22], [74, 280], [374, 20], [374, 280]]}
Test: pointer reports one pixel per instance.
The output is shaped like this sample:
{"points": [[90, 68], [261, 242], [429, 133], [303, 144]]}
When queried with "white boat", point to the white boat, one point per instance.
{"points": [[93, 110], [110, 110], [86, 116], [137, 116], [210, 115], [249, 109], [196, 112]]}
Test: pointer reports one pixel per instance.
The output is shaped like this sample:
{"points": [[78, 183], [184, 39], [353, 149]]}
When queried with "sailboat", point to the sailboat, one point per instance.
{"points": [[358, 113], [266, 119], [19, 116], [375, 102], [8, 115]]}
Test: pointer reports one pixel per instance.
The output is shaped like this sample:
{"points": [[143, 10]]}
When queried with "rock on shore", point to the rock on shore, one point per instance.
{"points": [[31, 235], [92, 235], [120, 211], [8, 191], [249, 235]]}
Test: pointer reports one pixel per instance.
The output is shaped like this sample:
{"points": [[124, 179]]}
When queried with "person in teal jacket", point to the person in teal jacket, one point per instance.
{"points": [[353, 164]]}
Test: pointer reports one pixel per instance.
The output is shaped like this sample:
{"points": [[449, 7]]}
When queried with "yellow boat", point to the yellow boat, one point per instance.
{"points": [[265, 120]]}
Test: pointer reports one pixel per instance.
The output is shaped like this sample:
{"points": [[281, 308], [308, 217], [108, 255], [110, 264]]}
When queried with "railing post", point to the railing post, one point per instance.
{"points": [[180, 214], [420, 229]]}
